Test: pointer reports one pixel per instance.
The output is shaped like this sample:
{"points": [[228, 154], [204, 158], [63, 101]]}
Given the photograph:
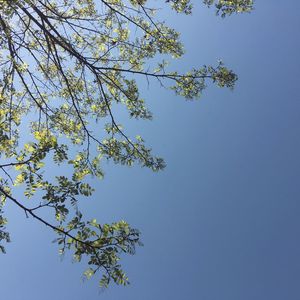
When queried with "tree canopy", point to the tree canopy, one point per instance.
{"points": [[66, 67]]}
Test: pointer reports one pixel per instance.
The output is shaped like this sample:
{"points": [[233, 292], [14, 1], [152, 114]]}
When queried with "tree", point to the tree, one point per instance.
{"points": [[66, 67]]}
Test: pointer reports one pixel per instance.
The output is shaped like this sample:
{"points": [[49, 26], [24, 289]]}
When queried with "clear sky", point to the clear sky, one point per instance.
{"points": [[222, 221]]}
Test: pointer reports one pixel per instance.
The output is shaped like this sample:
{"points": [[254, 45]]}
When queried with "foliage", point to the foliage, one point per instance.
{"points": [[66, 67]]}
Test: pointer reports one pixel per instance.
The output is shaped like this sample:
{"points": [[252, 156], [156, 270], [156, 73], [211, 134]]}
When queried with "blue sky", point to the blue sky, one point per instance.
{"points": [[222, 221]]}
